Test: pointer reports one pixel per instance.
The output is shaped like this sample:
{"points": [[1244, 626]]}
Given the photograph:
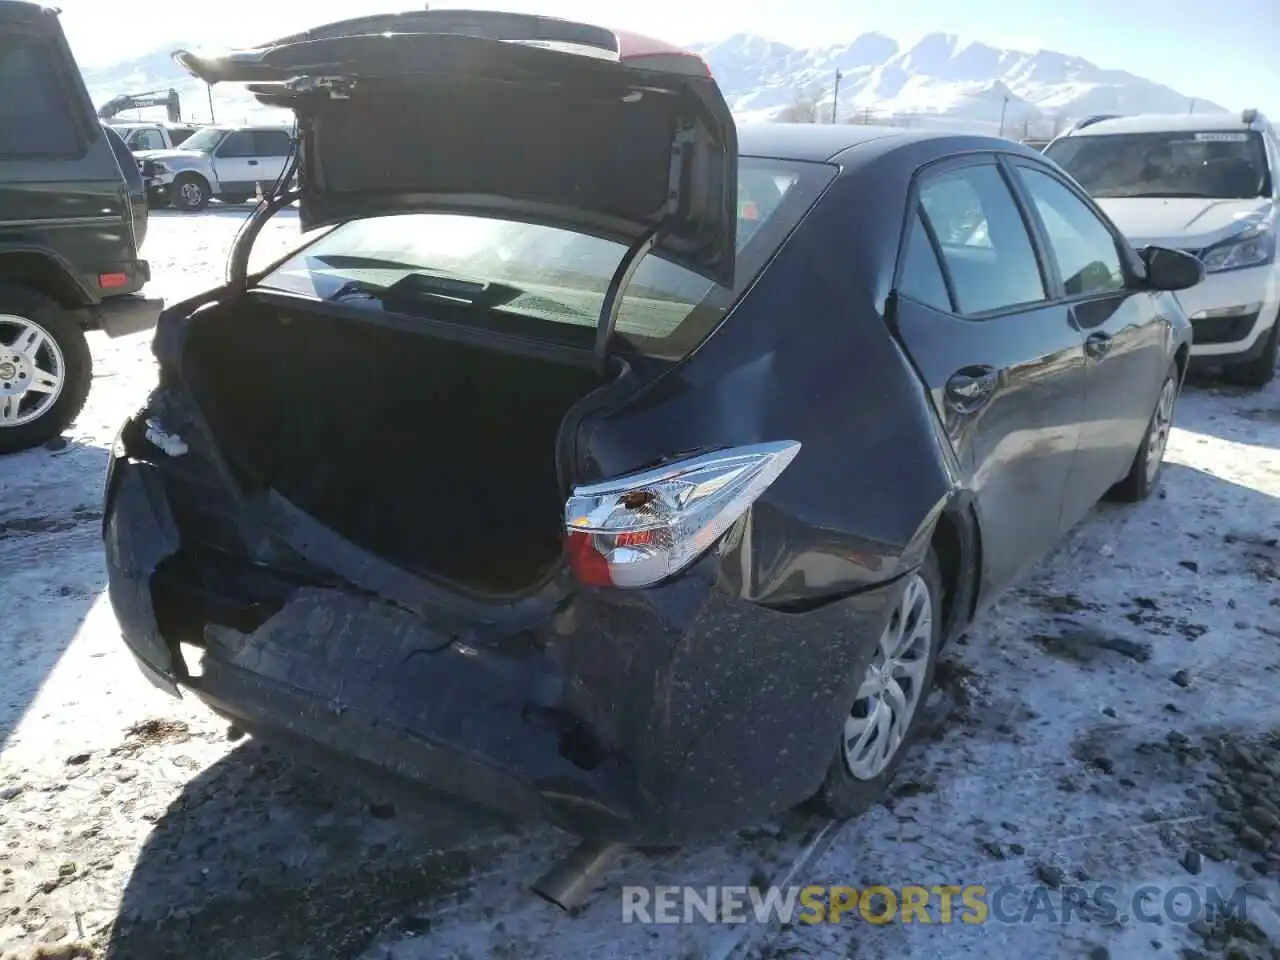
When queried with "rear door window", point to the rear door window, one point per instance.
{"points": [[983, 239], [922, 278], [559, 276], [37, 114], [271, 143]]}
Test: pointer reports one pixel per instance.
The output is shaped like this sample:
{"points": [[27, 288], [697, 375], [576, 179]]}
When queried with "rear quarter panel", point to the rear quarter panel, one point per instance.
{"points": [[806, 356]]}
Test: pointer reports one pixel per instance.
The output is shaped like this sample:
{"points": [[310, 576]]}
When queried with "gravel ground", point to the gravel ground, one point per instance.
{"points": [[1113, 722]]}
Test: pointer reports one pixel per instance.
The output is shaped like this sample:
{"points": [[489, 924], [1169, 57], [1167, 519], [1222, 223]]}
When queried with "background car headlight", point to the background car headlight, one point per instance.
{"points": [[1253, 247]]}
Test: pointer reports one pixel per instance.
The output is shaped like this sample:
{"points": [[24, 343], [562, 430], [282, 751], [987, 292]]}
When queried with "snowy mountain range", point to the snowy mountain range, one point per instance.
{"points": [[940, 81]]}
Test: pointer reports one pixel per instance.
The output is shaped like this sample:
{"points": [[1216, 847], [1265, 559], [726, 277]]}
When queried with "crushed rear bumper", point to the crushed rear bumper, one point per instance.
{"points": [[649, 716]]}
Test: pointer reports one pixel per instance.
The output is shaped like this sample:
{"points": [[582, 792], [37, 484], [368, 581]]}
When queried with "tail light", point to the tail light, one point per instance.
{"points": [[637, 530]]}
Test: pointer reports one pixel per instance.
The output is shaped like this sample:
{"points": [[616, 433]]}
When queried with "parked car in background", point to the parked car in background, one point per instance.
{"points": [[141, 136], [741, 428], [1208, 184], [69, 232], [228, 163]]}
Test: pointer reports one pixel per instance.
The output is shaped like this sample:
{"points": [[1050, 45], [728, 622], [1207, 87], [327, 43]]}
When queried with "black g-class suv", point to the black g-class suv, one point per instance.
{"points": [[70, 228]]}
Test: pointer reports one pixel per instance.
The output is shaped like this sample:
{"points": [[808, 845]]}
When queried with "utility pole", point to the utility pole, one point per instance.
{"points": [[1003, 107], [835, 99], [1191, 107], [208, 89]]}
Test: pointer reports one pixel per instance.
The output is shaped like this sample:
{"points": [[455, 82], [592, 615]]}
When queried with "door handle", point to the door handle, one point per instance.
{"points": [[1097, 345], [970, 388], [253, 163]]}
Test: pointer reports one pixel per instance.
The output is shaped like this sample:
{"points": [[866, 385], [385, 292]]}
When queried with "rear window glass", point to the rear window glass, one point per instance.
{"points": [[560, 276], [1213, 164], [36, 116]]}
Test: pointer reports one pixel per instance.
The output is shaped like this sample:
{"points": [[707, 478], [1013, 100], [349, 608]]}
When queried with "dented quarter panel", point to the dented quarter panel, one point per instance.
{"points": [[807, 357]]}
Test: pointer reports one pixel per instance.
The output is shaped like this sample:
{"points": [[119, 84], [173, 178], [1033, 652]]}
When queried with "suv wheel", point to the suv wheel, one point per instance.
{"points": [[189, 192], [1261, 370], [45, 369]]}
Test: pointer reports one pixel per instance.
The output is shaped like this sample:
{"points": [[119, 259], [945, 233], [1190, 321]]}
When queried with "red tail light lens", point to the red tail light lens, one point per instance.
{"points": [[637, 530]]}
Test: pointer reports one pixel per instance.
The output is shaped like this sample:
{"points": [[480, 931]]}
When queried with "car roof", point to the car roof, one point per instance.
{"points": [[1164, 123], [824, 142], [806, 141]]}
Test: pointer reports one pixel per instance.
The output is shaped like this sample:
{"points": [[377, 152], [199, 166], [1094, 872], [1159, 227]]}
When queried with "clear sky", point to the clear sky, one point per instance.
{"points": [[1225, 50]]}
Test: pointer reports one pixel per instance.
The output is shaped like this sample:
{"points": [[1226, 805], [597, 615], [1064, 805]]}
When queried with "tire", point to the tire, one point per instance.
{"points": [[190, 192], [1144, 473], [24, 311], [845, 794], [1261, 370]]}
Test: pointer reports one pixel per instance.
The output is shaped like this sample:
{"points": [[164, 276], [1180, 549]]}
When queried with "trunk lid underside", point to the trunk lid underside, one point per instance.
{"points": [[538, 119]]}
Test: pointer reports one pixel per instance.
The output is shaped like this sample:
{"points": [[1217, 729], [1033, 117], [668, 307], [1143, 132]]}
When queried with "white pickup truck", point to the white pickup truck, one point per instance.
{"points": [[223, 162]]}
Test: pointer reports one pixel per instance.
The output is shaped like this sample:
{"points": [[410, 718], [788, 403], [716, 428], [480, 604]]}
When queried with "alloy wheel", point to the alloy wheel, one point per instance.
{"points": [[32, 371], [1161, 425], [893, 685]]}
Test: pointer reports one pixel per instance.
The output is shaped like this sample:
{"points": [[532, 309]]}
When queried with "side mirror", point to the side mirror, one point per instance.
{"points": [[1169, 269]]}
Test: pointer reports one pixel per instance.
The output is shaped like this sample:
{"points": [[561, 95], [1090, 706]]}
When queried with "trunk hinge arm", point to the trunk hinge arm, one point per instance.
{"points": [[238, 268], [618, 284], [681, 144], [280, 197]]}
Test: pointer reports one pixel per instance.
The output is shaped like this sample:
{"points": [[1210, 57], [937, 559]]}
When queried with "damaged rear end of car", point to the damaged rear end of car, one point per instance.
{"points": [[420, 498]]}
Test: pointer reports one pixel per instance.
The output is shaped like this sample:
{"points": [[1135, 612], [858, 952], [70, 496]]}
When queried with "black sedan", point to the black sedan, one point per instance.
{"points": [[603, 461]]}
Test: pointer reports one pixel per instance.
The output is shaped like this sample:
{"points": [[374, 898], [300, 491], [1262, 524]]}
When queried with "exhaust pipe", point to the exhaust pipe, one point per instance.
{"points": [[569, 881]]}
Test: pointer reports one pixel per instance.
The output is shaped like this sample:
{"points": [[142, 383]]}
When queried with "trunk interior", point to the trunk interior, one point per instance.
{"points": [[436, 456]]}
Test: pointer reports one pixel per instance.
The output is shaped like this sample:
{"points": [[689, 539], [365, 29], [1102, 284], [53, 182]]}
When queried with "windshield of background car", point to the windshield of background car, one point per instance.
{"points": [[561, 276], [1217, 165], [203, 141]]}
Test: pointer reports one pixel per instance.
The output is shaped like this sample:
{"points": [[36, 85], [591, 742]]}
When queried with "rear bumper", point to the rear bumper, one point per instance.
{"points": [[123, 316], [655, 717]]}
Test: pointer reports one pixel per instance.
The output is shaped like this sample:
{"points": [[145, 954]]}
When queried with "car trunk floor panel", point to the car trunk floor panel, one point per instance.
{"points": [[436, 456]]}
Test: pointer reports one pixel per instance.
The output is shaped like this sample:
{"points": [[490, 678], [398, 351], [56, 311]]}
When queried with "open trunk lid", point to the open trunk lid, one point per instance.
{"points": [[535, 118]]}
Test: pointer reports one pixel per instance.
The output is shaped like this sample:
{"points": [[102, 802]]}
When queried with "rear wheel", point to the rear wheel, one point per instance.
{"points": [[45, 369], [888, 705], [1144, 474], [190, 192], [1261, 370]]}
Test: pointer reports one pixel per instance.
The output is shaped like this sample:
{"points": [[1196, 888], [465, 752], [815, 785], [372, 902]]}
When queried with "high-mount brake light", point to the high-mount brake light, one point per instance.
{"points": [[639, 529]]}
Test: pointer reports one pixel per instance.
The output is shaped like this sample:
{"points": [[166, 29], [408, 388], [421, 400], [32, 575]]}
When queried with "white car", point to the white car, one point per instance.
{"points": [[1208, 184], [228, 163]]}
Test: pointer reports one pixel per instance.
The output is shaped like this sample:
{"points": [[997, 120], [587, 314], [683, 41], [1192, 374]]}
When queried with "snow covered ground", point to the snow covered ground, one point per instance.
{"points": [[1088, 731]]}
